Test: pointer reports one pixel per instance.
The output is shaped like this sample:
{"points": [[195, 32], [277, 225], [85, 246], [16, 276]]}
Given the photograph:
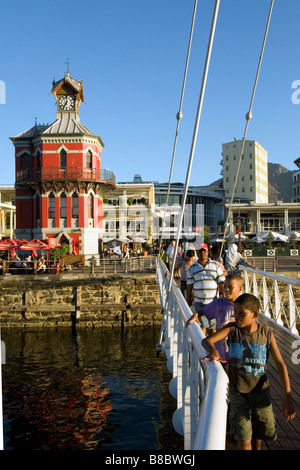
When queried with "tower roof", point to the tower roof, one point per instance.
{"points": [[66, 123], [68, 82]]}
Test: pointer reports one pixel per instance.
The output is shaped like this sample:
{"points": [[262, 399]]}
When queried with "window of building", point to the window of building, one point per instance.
{"points": [[89, 157], [38, 162], [51, 206], [90, 207], [25, 161], [63, 206], [75, 206], [63, 159]]}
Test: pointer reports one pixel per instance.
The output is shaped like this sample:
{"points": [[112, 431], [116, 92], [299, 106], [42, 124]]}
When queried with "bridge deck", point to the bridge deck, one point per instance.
{"points": [[288, 434]]}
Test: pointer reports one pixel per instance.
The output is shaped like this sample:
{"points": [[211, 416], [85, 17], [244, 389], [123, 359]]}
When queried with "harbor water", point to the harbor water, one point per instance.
{"points": [[86, 389]]}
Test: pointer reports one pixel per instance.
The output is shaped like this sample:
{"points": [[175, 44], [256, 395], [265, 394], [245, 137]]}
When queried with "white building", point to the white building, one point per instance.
{"points": [[252, 183], [296, 182]]}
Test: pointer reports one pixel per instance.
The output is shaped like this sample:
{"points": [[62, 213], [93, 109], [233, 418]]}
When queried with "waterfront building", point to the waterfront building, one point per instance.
{"points": [[128, 212], [7, 211], [256, 218], [296, 182], [252, 182], [204, 206], [60, 183], [143, 204]]}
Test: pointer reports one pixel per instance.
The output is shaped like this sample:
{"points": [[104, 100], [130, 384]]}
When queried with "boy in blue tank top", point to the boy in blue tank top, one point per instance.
{"points": [[249, 346]]}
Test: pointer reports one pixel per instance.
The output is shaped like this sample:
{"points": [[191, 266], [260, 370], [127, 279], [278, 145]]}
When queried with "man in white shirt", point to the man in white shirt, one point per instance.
{"points": [[170, 253], [205, 280]]}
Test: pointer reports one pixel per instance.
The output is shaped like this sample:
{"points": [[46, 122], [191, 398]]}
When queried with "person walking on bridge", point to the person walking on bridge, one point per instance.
{"points": [[249, 346], [204, 282]]}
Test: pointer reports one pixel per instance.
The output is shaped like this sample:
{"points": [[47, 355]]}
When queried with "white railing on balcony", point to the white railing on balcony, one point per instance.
{"points": [[200, 387], [278, 296]]}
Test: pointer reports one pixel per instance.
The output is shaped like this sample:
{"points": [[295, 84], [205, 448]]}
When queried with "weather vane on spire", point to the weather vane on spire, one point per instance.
{"points": [[68, 63]]}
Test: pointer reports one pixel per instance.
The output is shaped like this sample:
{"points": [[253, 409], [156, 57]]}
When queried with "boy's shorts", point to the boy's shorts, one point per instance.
{"points": [[204, 322], [252, 416]]}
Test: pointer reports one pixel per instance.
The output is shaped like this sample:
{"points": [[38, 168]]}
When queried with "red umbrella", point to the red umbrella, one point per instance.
{"points": [[8, 244], [33, 245], [51, 243], [74, 247]]}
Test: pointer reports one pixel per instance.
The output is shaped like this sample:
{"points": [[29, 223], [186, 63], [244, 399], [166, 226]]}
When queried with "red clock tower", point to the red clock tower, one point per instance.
{"points": [[59, 181]]}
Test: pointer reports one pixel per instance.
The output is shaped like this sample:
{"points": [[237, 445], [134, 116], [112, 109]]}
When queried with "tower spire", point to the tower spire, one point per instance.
{"points": [[68, 63]]}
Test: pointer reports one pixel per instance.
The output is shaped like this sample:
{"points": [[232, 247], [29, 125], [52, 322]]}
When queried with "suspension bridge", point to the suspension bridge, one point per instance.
{"points": [[201, 387]]}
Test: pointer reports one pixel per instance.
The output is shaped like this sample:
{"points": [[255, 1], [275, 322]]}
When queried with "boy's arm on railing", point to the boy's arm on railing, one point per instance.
{"points": [[209, 343]]}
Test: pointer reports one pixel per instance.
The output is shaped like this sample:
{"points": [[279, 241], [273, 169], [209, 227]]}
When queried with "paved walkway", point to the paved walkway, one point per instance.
{"points": [[288, 434]]}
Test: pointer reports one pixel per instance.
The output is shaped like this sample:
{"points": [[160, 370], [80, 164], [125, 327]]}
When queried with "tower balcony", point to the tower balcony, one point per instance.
{"points": [[30, 175]]}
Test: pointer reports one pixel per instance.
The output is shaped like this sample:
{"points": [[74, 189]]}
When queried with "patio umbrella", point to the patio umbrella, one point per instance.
{"points": [[33, 245], [107, 239], [294, 233], [124, 239], [139, 240], [50, 243], [235, 236], [74, 247], [258, 239], [8, 244], [278, 237]]}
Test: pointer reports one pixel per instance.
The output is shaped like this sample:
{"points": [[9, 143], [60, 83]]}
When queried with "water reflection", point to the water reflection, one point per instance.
{"points": [[86, 389]]}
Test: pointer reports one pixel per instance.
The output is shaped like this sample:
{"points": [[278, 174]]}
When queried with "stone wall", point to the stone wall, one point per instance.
{"points": [[84, 301]]}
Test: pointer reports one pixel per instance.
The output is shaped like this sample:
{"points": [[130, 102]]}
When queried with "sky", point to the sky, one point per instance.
{"points": [[131, 56]]}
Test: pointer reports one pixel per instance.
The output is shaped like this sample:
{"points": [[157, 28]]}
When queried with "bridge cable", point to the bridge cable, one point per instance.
{"points": [[248, 117], [178, 117], [200, 103]]}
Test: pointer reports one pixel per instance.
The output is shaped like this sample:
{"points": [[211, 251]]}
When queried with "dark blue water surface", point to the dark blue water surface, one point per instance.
{"points": [[93, 389]]}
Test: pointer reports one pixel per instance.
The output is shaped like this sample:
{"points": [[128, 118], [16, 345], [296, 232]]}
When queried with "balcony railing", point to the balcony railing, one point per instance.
{"points": [[29, 175]]}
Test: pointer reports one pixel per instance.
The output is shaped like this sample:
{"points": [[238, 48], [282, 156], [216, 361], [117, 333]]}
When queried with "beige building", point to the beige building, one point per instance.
{"points": [[256, 218], [296, 182], [252, 183], [7, 211], [128, 212]]}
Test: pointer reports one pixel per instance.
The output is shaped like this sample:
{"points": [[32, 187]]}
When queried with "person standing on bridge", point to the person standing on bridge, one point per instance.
{"points": [[184, 263], [249, 389], [171, 253], [221, 309], [234, 259], [204, 282]]}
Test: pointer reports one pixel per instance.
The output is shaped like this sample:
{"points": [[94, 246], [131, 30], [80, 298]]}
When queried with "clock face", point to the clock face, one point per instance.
{"points": [[66, 103]]}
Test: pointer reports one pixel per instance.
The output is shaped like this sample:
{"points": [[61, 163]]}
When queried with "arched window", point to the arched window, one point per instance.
{"points": [[90, 207], [89, 160], [63, 206], [25, 161], [38, 162], [63, 159], [51, 206], [75, 206]]}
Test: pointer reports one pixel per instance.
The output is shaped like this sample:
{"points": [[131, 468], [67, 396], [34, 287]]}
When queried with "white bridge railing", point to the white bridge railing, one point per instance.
{"points": [[201, 388], [278, 296]]}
